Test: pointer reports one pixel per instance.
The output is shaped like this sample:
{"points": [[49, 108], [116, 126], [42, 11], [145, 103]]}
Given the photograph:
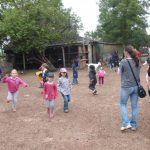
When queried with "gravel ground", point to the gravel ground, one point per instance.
{"points": [[93, 122]]}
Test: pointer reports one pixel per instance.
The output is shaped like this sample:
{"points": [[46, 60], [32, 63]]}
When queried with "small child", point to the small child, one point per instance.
{"points": [[101, 75], [50, 94], [64, 87], [75, 72], [93, 80], [44, 73], [148, 80], [13, 86]]}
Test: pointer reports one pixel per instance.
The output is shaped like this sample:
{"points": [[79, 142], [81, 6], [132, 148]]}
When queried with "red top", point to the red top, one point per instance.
{"points": [[101, 73], [50, 91], [13, 83]]}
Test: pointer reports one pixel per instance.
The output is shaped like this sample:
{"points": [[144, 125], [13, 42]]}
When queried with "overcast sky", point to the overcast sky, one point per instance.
{"points": [[88, 11]]}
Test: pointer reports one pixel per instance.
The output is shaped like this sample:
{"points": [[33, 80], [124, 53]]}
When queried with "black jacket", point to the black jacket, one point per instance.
{"points": [[92, 76]]}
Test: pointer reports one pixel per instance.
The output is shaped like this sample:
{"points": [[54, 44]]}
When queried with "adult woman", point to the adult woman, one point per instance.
{"points": [[129, 88]]}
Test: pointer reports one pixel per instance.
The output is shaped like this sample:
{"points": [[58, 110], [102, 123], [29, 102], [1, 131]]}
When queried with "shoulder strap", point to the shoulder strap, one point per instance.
{"points": [[132, 72]]}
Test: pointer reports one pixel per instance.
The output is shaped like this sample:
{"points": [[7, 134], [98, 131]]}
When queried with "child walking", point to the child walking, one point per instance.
{"points": [[148, 80], [93, 80], [44, 74], [13, 86], [50, 94], [101, 75], [64, 87], [75, 73]]}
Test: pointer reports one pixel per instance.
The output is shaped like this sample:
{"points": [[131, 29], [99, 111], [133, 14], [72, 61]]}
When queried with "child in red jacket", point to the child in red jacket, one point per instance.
{"points": [[50, 94]]}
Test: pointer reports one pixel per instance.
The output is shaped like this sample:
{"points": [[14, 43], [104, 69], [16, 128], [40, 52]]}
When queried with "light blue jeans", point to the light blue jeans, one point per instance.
{"points": [[125, 93], [75, 81], [13, 98], [66, 100]]}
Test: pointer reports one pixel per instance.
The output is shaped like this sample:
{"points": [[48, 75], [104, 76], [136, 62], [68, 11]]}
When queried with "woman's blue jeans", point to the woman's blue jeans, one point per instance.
{"points": [[125, 93], [66, 100]]}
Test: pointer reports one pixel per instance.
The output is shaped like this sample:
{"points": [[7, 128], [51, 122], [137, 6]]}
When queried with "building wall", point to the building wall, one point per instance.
{"points": [[111, 48], [102, 50]]}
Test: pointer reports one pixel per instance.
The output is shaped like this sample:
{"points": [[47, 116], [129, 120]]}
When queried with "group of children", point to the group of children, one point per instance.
{"points": [[50, 88]]}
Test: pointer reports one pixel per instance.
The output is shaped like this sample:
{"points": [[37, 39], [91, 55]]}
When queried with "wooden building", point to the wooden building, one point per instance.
{"points": [[62, 54]]}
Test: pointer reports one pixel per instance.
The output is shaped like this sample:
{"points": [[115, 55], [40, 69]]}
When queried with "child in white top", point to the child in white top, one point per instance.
{"points": [[64, 87]]}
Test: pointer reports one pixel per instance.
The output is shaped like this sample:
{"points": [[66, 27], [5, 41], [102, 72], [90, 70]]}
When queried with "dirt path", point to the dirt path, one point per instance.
{"points": [[93, 122]]}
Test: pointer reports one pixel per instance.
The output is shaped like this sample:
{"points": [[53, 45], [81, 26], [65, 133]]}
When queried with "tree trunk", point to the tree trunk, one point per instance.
{"points": [[24, 62], [63, 53]]}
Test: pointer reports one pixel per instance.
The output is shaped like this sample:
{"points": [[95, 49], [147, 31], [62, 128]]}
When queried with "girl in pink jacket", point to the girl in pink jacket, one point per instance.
{"points": [[101, 75], [13, 86]]}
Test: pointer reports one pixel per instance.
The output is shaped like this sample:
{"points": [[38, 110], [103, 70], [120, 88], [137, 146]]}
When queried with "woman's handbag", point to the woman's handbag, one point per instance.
{"points": [[141, 90]]}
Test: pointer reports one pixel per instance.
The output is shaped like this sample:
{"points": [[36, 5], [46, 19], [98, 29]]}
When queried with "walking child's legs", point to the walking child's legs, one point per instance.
{"points": [[66, 100], [50, 107], [99, 80], [13, 98], [75, 80], [48, 110], [102, 80], [94, 89]]}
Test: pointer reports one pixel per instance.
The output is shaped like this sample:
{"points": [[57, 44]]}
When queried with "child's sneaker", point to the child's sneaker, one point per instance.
{"points": [[66, 111], [133, 128], [94, 92]]}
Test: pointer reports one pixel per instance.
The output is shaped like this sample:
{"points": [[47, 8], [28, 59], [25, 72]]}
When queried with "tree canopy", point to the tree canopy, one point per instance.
{"points": [[35, 24], [123, 21]]}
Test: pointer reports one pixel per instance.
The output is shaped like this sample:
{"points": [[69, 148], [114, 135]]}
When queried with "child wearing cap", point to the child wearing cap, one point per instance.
{"points": [[50, 94], [64, 87]]}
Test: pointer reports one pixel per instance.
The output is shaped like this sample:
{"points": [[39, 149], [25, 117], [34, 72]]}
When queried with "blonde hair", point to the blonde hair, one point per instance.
{"points": [[14, 70]]}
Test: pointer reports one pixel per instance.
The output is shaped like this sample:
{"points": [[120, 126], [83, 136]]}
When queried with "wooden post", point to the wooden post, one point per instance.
{"points": [[63, 53], [24, 62], [89, 53]]}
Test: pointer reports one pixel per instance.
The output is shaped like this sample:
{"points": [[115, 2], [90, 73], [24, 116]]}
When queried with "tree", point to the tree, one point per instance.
{"points": [[91, 35], [35, 24], [123, 21]]}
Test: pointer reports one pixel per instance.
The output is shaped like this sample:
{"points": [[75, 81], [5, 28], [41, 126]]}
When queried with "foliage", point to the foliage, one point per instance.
{"points": [[91, 35], [35, 24], [123, 21]]}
